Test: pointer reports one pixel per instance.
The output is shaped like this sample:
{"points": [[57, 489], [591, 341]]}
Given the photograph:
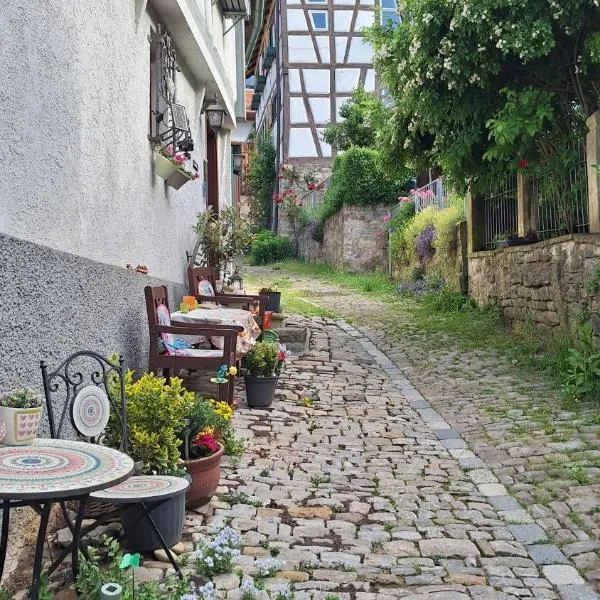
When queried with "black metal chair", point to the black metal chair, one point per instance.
{"points": [[81, 405]]}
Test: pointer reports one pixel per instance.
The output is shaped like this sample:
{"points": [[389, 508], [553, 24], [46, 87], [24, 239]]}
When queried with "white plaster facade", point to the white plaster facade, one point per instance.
{"points": [[76, 169]]}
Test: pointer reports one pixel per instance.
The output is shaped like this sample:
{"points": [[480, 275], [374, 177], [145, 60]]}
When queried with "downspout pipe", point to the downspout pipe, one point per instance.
{"points": [[257, 21]]}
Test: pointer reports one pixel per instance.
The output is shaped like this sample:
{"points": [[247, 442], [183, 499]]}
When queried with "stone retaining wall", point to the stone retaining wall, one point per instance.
{"points": [[351, 240], [543, 283]]}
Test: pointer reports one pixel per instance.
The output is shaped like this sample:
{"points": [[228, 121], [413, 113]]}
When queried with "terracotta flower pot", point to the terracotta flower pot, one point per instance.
{"points": [[205, 473], [163, 167], [19, 426]]}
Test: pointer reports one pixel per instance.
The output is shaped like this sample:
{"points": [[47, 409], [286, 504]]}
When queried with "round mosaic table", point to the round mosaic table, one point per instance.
{"points": [[143, 487], [55, 469]]}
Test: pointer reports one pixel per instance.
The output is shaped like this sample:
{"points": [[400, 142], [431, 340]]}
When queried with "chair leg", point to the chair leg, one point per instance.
{"points": [[4, 534], [162, 542], [39, 552], [77, 537]]}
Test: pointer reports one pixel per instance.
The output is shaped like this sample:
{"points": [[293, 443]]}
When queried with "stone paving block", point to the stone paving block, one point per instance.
{"points": [[420, 403], [577, 592], [516, 517], [446, 434], [453, 443], [504, 503], [448, 548], [547, 554], [528, 534], [469, 464], [562, 575], [492, 489]]}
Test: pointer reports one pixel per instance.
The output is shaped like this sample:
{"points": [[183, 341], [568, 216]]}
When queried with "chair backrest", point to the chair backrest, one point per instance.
{"points": [[157, 306], [82, 392], [198, 274]]}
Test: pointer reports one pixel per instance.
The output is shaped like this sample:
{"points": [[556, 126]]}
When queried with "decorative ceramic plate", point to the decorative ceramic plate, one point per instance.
{"points": [[90, 411]]}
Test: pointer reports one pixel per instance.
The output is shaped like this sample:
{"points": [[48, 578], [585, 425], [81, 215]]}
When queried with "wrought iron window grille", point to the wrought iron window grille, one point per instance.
{"points": [[171, 123]]}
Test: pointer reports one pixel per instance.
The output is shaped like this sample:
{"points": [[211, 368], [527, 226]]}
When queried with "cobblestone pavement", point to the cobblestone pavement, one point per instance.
{"points": [[514, 434], [370, 495]]}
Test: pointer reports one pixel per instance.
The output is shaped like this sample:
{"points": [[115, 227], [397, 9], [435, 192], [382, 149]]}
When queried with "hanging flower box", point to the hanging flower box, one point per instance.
{"points": [[164, 167], [178, 178]]}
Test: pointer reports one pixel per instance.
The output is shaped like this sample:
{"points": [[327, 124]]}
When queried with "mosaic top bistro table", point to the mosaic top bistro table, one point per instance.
{"points": [[55, 471]]}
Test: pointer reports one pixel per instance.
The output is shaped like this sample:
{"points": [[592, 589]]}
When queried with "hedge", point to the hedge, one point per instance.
{"points": [[358, 179]]}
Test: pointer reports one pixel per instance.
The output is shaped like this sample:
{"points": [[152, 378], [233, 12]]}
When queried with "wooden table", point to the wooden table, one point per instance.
{"points": [[221, 315], [54, 471]]}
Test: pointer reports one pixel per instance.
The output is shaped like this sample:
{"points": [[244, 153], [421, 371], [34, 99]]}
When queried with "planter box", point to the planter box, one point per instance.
{"points": [[163, 167], [178, 178], [19, 426]]}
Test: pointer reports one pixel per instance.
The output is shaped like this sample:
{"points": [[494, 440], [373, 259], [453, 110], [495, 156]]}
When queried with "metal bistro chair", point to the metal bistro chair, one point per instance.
{"points": [[83, 404]]}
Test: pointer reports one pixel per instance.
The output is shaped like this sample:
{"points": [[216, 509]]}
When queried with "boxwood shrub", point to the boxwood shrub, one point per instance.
{"points": [[269, 248]]}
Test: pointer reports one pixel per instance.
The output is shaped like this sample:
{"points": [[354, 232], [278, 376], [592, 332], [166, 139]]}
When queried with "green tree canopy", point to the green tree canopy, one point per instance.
{"points": [[364, 116], [481, 84]]}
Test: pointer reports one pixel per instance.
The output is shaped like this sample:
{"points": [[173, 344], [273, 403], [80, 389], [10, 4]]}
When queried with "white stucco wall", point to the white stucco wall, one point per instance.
{"points": [[76, 169]]}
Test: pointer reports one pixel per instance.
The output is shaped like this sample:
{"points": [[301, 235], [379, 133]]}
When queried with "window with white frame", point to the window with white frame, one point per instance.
{"points": [[389, 12], [319, 19], [316, 1]]}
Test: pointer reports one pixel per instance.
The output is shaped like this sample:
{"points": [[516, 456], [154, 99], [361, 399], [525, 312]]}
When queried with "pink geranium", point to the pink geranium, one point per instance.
{"points": [[386, 218]]}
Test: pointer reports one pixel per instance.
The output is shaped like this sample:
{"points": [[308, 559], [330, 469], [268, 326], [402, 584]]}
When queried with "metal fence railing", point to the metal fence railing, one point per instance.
{"points": [[500, 211], [432, 194], [562, 211]]}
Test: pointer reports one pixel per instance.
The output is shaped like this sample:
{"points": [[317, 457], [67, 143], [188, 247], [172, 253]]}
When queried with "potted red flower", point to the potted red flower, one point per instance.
{"points": [[202, 450]]}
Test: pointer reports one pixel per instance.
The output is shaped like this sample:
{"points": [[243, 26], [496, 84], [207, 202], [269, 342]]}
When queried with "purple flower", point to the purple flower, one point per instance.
{"points": [[424, 243]]}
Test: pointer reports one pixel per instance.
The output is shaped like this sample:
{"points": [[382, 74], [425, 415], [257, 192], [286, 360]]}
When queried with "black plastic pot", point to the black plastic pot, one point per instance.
{"points": [[273, 300], [168, 517], [260, 391]]}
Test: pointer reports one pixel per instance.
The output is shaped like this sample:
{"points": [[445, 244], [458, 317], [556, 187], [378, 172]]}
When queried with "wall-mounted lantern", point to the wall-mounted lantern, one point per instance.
{"points": [[215, 115]]}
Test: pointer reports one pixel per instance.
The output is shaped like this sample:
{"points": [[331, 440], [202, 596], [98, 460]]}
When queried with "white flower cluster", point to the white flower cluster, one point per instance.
{"points": [[267, 567], [206, 592], [218, 555]]}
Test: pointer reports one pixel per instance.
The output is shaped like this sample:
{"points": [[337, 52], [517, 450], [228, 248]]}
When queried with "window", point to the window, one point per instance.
{"points": [[317, 1], [389, 12], [319, 20]]}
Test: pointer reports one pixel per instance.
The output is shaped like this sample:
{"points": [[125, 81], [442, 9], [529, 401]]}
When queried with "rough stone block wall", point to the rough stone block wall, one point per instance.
{"points": [[351, 240], [543, 283]]}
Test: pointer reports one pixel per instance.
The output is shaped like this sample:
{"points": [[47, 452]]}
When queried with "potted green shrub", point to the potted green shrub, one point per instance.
{"points": [[272, 298], [20, 414], [263, 366], [156, 418], [208, 422]]}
